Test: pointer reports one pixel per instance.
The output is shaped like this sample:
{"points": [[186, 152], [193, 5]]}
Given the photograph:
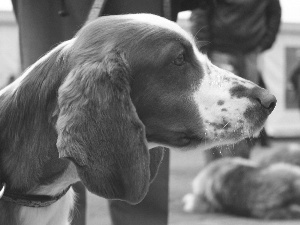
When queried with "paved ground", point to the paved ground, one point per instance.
{"points": [[184, 167]]}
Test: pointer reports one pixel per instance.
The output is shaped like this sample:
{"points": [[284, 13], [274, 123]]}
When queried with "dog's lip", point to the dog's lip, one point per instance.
{"points": [[184, 141], [190, 141], [135, 200]]}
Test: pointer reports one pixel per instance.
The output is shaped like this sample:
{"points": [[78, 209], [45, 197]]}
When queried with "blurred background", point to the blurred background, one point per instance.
{"points": [[283, 125]]}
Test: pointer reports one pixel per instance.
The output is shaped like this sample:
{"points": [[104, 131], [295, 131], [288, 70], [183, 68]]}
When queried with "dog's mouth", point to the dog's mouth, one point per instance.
{"points": [[175, 139], [220, 129], [230, 131], [224, 131]]}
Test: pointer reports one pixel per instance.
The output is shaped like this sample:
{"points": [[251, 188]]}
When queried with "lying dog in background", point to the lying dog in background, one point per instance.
{"points": [[289, 153], [267, 189], [92, 107]]}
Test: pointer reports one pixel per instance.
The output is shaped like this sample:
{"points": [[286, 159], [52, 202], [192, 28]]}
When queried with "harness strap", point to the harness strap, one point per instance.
{"points": [[96, 10]]}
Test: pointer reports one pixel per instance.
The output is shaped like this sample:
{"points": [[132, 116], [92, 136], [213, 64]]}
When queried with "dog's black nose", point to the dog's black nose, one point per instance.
{"points": [[264, 97]]}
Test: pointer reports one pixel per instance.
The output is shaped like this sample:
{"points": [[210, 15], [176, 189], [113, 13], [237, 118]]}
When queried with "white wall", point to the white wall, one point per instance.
{"points": [[9, 47], [283, 121]]}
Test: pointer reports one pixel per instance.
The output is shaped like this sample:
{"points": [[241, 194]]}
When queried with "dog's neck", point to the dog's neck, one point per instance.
{"points": [[29, 160], [28, 153]]}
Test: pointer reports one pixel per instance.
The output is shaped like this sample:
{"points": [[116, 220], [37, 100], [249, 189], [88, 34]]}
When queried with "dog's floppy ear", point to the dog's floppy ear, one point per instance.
{"points": [[99, 130]]}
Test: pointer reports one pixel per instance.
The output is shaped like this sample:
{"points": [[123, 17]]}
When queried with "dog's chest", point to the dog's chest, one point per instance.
{"points": [[56, 214]]}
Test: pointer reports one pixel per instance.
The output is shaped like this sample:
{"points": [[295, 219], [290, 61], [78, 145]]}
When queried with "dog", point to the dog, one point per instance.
{"points": [[268, 188], [91, 109], [288, 153]]}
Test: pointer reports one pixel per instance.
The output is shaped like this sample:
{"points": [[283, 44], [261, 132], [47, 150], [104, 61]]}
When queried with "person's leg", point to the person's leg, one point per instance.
{"points": [[153, 210], [41, 27], [251, 67]]}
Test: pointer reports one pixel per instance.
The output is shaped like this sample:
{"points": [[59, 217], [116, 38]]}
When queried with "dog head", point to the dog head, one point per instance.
{"points": [[138, 77], [181, 98]]}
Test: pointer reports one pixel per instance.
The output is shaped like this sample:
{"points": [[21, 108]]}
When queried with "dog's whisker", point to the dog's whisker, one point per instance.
{"points": [[225, 125], [230, 150], [195, 36], [205, 137]]}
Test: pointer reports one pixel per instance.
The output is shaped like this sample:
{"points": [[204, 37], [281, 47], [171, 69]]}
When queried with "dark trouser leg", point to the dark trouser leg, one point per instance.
{"points": [[153, 210], [79, 214], [264, 138], [41, 27]]}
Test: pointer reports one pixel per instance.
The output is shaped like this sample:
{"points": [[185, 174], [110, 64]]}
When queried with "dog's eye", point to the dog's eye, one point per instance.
{"points": [[180, 60]]}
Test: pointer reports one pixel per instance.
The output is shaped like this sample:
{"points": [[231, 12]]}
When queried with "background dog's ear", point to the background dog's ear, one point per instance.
{"points": [[99, 130]]}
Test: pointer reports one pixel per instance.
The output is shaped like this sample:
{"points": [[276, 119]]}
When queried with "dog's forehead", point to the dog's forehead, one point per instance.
{"points": [[169, 27], [160, 22]]}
